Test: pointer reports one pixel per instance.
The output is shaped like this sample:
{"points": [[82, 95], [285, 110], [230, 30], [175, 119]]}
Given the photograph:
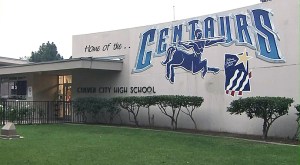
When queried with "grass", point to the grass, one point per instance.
{"points": [[93, 144]]}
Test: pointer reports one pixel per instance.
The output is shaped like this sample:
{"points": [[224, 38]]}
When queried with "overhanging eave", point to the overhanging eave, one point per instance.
{"points": [[81, 63]]}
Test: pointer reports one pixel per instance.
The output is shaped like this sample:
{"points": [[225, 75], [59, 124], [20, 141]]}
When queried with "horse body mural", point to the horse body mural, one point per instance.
{"points": [[191, 62]]}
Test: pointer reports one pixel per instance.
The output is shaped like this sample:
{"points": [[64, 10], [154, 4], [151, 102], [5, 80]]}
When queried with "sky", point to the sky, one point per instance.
{"points": [[26, 24]]}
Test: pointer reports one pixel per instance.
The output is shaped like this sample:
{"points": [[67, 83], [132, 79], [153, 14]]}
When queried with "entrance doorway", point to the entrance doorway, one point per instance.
{"points": [[64, 97]]}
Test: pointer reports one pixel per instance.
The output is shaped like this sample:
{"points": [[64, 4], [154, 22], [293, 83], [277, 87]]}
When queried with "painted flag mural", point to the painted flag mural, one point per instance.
{"points": [[237, 75]]}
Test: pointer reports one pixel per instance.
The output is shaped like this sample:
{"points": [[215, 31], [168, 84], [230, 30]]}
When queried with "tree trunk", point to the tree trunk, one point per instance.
{"points": [[265, 130], [175, 124], [194, 122], [149, 120], [135, 120], [297, 134], [176, 119], [172, 124]]}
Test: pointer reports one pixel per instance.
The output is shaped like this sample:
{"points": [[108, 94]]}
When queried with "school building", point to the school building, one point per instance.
{"points": [[246, 52]]}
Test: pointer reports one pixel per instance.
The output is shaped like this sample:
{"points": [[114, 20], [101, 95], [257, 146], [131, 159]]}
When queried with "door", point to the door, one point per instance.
{"points": [[64, 97], [67, 102]]}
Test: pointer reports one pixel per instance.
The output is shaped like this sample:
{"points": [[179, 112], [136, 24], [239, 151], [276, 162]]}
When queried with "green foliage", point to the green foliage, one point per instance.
{"points": [[81, 106], [132, 104], [147, 102], [297, 136], [95, 107], [112, 109], [47, 52], [176, 104], [16, 114], [23, 113], [11, 114], [266, 108], [190, 104], [298, 113]]}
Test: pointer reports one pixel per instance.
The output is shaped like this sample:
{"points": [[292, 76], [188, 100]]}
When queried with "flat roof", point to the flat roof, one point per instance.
{"points": [[114, 63], [11, 61]]}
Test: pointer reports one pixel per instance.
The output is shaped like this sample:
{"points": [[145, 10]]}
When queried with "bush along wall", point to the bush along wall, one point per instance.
{"points": [[108, 109], [100, 109], [267, 108], [297, 135], [170, 106]]}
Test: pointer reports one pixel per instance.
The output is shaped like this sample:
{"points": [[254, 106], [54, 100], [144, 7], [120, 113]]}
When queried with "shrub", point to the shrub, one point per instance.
{"points": [[297, 136], [267, 108], [112, 109], [109, 107], [11, 114], [96, 107], [23, 113], [88, 105]]}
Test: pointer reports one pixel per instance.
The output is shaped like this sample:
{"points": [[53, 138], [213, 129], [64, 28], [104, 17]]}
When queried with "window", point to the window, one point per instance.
{"points": [[13, 88], [64, 87]]}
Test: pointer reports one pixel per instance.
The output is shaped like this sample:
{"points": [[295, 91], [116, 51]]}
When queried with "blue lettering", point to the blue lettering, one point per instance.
{"points": [[225, 29], [144, 57], [162, 46], [177, 33], [192, 24], [242, 29], [266, 43], [209, 27]]}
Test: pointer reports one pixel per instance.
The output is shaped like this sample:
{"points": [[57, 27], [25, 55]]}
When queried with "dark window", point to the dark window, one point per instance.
{"points": [[21, 87]]}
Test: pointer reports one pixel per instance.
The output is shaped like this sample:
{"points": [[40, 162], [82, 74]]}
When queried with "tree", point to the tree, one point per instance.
{"points": [[190, 103], [171, 106], [132, 104], [175, 103], [147, 102], [267, 108], [47, 52]]}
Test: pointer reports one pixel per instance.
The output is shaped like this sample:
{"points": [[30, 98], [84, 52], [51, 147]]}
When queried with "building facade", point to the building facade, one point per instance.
{"points": [[251, 51]]}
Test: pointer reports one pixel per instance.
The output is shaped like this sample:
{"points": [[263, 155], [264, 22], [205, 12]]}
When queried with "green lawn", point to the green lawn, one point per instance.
{"points": [[94, 144]]}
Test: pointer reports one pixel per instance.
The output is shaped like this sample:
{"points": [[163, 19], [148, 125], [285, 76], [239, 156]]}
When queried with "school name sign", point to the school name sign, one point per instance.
{"points": [[119, 90], [253, 29]]}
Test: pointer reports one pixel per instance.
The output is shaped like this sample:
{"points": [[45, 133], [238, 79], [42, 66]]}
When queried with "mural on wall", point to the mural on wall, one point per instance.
{"points": [[237, 75], [191, 62], [252, 28]]}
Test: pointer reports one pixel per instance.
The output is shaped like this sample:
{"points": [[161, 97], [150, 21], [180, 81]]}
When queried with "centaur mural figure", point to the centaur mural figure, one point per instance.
{"points": [[190, 61]]}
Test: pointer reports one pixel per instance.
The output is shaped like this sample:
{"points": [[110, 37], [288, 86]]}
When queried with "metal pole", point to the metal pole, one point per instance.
{"points": [[4, 109], [48, 102], [173, 10]]}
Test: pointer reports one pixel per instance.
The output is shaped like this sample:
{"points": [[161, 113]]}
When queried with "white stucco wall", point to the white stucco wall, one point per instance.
{"points": [[268, 78]]}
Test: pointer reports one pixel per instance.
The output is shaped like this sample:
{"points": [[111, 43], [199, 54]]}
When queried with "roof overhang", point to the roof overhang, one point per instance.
{"points": [[107, 63]]}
